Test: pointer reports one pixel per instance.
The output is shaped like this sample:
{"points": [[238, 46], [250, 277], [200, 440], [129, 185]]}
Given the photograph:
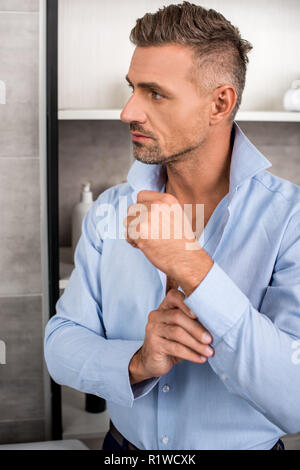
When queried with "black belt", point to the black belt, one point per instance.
{"points": [[120, 439]]}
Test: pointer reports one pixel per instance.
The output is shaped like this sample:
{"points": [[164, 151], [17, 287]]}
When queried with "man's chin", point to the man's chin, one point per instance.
{"points": [[148, 159], [149, 162]]}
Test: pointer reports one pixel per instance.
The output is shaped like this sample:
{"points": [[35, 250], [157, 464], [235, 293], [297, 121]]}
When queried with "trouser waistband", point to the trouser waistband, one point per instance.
{"points": [[120, 438]]}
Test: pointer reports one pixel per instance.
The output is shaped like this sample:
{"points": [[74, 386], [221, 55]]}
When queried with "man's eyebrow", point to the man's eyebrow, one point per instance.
{"points": [[151, 85]]}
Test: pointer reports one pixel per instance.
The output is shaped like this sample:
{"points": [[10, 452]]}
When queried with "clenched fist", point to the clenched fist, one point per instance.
{"points": [[168, 242]]}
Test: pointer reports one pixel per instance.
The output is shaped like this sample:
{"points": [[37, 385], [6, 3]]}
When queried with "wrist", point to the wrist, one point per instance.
{"points": [[136, 370], [199, 265]]}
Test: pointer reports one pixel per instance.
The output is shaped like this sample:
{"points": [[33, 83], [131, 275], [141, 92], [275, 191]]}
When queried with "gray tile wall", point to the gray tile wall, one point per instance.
{"points": [[22, 408], [20, 380], [19, 5], [96, 151], [99, 151]]}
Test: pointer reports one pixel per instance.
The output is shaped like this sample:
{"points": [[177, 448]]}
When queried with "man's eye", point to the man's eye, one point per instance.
{"points": [[156, 96]]}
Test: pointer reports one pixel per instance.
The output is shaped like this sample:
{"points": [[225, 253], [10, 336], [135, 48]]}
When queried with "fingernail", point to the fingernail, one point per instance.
{"points": [[192, 314], [209, 350], [206, 337]]}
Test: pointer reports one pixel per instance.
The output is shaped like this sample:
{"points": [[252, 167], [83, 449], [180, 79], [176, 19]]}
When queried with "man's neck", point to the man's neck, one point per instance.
{"points": [[202, 177]]}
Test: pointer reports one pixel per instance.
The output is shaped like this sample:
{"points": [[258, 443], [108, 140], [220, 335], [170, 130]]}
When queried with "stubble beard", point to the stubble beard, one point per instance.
{"points": [[154, 156]]}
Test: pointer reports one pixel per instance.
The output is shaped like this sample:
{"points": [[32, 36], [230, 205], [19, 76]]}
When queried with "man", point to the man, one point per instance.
{"points": [[191, 340]]}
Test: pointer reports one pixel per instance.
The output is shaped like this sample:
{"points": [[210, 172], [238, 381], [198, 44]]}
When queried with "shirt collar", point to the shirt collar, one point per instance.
{"points": [[246, 162]]}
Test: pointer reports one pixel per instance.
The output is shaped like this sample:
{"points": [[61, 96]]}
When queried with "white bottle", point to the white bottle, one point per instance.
{"points": [[78, 213], [291, 99]]}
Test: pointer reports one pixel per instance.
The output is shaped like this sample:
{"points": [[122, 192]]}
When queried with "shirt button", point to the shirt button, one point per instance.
{"points": [[224, 377], [165, 439], [166, 388]]}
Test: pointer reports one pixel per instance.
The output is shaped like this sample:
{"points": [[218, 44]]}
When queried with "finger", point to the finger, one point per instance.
{"points": [[179, 351], [127, 221], [176, 359], [134, 211], [139, 208], [196, 329], [130, 240], [132, 229], [175, 298], [132, 243], [153, 196], [147, 195], [180, 335]]}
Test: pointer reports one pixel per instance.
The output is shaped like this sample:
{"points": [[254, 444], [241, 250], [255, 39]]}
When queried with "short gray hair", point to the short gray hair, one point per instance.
{"points": [[219, 51]]}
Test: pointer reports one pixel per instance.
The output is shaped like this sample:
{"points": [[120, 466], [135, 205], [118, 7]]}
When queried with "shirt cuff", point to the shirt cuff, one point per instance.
{"points": [[218, 302], [116, 372], [140, 389]]}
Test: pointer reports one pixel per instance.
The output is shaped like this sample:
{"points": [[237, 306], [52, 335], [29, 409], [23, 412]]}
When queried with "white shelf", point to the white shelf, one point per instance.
{"points": [[268, 116], [89, 114], [114, 114]]}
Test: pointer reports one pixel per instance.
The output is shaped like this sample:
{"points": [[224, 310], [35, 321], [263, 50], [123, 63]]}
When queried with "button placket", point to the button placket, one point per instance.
{"points": [[163, 407]]}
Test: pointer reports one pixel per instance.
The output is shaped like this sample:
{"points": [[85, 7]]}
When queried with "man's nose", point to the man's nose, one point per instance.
{"points": [[133, 111]]}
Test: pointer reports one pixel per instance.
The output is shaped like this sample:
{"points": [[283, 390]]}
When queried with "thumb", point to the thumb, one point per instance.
{"points": [[175, 299]]}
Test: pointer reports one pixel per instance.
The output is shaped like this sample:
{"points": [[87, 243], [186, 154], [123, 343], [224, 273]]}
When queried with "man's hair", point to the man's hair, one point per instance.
{"points": [[220, 54]]}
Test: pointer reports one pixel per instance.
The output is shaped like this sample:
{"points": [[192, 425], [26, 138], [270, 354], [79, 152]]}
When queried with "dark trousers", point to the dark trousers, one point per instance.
{"points": [[110, 443]]}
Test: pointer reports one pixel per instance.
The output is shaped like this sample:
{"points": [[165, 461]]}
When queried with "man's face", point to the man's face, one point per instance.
{"points": [[165, 105]]}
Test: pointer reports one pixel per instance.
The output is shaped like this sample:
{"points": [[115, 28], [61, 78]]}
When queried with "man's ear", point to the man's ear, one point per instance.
{"points": [[223, 101]]}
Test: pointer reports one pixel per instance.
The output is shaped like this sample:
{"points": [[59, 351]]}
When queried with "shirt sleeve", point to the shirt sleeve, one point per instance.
{"points": [[76, 350], [257, 353]]}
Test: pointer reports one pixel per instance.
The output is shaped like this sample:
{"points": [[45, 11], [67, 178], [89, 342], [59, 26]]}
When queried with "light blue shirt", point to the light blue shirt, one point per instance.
{"points": [[248, 394]]}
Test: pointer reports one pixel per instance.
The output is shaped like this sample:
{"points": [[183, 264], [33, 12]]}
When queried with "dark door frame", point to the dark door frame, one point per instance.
{"points": [[52, 191]]}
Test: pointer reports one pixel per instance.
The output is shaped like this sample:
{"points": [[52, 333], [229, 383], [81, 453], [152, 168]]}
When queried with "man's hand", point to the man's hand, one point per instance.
{"points": [[169, 245], [172, 335]]}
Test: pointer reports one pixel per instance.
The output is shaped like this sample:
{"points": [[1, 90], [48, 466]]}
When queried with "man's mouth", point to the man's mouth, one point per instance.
{"points": [[139, 137]]}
